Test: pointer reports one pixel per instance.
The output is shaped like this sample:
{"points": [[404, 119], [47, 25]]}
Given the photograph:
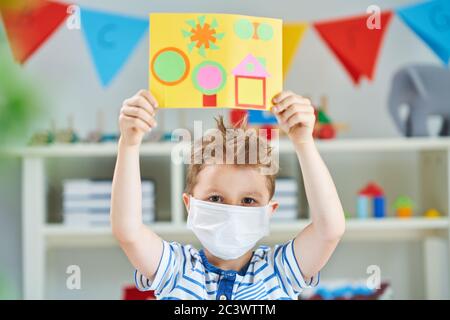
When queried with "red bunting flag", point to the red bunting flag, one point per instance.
{"points": [[28, 26], [355, 42]]}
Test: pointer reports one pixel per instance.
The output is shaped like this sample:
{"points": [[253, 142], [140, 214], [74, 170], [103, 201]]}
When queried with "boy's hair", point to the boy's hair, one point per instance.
{"points": [[237, 139]]}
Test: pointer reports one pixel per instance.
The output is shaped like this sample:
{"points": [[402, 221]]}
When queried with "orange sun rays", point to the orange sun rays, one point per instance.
{"points": [[203, 35]]}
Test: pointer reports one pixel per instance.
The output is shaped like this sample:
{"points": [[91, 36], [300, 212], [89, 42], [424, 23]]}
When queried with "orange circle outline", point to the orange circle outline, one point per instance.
{"points": [[185, 58]]}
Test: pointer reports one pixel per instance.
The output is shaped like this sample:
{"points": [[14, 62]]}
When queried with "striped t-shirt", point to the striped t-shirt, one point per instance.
{"points": [[185, 273]]}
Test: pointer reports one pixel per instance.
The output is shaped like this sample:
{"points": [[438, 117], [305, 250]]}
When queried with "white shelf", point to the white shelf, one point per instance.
{"points": [[384, 144], [58, 235], [285, 146], [414, 223], [108, 149]]}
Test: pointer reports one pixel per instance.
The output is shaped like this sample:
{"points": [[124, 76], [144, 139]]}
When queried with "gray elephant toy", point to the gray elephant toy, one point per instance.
{"points": [[425, 89]]}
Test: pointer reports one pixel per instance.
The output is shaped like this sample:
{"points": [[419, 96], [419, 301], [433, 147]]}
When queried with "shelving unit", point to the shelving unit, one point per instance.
{"points": [[45, 167], [414, 228]]}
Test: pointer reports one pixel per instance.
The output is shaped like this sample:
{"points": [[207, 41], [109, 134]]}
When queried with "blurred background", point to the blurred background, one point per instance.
{"points": [[58, 127]]}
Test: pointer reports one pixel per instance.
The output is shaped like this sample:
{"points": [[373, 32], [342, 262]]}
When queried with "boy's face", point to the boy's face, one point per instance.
{"points": [[237, 185]]}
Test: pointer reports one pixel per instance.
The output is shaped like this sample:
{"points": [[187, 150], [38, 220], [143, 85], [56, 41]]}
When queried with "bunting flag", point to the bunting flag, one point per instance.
{"points": [[29, 26], [431, 22], [111, 39], [292, 36], [355, 44]]}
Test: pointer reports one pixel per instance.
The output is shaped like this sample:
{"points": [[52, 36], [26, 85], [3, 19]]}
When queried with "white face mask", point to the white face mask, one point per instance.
{"points": [[227, 231]]}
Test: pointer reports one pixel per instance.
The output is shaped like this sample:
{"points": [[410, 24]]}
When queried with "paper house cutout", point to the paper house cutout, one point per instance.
{"points": [[250, 83]]}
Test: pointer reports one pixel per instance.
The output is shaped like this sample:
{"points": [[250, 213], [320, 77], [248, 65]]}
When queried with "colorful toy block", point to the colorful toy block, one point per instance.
{"points": [[375, 193], [432, 214], [403, 206]]}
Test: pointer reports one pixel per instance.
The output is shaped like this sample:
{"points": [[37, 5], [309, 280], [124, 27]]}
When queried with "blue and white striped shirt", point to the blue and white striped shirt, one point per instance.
{"points": [[185, 273]]}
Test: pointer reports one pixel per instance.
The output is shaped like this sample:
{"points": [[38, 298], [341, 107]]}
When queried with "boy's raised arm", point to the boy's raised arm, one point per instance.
{"points": [[314, 245], [142, 246]]}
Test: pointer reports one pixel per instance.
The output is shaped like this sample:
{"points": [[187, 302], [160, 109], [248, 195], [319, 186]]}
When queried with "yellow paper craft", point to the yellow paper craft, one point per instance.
{"points": [[215, 60]]}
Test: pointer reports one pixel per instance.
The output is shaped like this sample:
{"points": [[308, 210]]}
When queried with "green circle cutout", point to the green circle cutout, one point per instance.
{"points": [[170, 66], [265, 32], [206, 64], [243, 29]]}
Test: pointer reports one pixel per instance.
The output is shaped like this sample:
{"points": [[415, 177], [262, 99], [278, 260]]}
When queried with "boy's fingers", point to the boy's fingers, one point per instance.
{"points": [[137, 123], [283, 124], [295, 108], [293, 120], [298, 118], [137, 101], [295, 100], [281, 96], [147, 95], [141, 102], [284, 104], [137, 112], [289, 101], [278, 117]]}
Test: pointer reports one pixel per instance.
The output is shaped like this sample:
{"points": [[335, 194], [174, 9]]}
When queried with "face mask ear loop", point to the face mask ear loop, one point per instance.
{"points": [[269, 209], [267, 217], [190, 202]]}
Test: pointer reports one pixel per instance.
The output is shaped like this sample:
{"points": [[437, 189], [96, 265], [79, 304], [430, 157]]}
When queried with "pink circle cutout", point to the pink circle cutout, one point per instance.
{"points": [[209, 77]]}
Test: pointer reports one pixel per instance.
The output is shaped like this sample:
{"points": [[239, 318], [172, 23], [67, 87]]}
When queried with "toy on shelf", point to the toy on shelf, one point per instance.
{"points": [[96, 135], [67, 135], [324, 128], [255, 118], [423, 89], [130, 292], [344, 290], [432, 213], [42, 138], [403, 206], [237, 115], [371, 192]]}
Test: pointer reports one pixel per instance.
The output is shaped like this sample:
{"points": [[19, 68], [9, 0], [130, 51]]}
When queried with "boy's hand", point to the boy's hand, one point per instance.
{"points": [[137, 117], [295, 116]]}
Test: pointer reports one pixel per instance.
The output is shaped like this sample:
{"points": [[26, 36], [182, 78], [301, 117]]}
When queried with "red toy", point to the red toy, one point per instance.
{"points": [[132, 293], [237, 115], [324, 128]]}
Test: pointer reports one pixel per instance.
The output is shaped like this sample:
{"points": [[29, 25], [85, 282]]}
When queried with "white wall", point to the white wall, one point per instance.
{"points": [[64, 73]]}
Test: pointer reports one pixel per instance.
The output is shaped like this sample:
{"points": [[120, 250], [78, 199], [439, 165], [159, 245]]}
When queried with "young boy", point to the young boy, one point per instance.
{"points": [[229, 206]]}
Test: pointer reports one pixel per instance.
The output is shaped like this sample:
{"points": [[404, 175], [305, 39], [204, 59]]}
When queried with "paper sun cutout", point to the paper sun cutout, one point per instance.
{"points": [[202, 35]]}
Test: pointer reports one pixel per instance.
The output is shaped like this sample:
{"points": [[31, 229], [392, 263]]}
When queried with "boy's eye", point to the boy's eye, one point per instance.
{"points": [[215, 198], [248, 201]]}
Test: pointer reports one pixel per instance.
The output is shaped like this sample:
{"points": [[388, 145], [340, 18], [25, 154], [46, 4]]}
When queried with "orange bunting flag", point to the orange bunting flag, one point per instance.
{"points": [[28, 26], [292, 36], [356, 42]]}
